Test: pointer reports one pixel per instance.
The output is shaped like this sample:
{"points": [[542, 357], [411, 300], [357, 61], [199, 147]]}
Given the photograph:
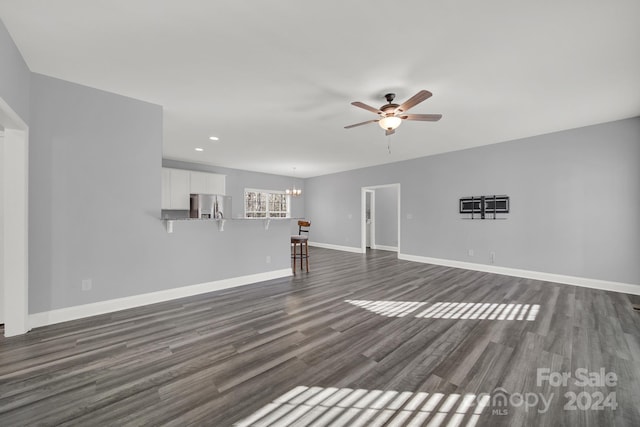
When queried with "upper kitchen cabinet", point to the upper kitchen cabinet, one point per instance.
{"points": [[175, 189], [207, 183], [178, 184]]}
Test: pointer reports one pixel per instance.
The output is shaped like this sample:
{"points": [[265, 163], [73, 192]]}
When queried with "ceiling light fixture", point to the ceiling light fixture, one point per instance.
{"points": [[293, 191], [390, 122], [199, 149], [214, 138]]}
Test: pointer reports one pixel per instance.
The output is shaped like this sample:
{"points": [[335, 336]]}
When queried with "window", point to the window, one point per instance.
{"points": [[265, 204]]}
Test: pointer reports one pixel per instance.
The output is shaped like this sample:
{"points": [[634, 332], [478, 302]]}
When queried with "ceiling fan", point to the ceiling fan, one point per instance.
{"points": [[392, 115]]}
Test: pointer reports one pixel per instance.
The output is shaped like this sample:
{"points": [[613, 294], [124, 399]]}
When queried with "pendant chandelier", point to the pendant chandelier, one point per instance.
{"points": [[293, 191]]}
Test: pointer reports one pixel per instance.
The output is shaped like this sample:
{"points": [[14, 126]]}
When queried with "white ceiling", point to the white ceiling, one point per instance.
{"points": [[274, 79]]}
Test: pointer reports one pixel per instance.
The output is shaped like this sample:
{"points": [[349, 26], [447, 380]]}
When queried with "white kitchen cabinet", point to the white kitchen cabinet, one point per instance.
{"points": [[175, 189], [166, 188], [207, 183]]}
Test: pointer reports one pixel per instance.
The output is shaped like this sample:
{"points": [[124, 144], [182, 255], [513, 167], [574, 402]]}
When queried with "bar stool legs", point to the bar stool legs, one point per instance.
{"points": [[294, 248], [300, 256], [303, 256]]}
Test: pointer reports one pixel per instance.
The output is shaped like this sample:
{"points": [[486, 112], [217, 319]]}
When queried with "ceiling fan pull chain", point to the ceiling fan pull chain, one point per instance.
{"points": [[389, 143]]}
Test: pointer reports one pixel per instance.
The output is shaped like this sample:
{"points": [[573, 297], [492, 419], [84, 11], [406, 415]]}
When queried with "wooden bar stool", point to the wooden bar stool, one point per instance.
{"points": [[303, 242]]}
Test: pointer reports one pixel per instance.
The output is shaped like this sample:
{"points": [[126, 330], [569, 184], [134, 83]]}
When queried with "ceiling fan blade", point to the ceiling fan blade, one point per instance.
{"points": [[422, 117], [366, 107], [416, 99], [389, 132], [360, 124]]}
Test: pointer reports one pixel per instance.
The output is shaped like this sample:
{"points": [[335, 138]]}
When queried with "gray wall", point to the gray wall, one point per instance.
{"points": [[14, 76], [95, 184], [575, 198], [2, 320], [386, 216]]}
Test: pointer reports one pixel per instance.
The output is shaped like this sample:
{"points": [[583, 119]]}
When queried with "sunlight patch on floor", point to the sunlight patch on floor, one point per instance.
{"points": [[388, 308], [319, 406], [451, 310]]}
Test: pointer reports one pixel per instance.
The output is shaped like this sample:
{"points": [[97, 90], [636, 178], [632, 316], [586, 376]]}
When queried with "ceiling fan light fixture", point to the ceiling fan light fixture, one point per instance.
{"points": [[390, 122], [392, 115]]}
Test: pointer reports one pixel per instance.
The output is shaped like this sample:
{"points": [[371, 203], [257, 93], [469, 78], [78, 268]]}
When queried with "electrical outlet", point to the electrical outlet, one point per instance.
{"points": [[492, 256], [86, 284], [268, 259], [470, 252]]}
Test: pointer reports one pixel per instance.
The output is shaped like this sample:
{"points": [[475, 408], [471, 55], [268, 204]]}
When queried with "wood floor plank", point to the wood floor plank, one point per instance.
{"points": [[367, 327]]}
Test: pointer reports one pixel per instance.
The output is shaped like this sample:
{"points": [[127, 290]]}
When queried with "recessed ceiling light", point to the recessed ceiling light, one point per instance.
{"points": [[199, 149], [214, 138]]}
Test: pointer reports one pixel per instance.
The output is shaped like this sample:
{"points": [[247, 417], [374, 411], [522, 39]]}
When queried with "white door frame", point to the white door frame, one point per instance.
{"points": [[363, 215], [14, 221], [372, 208]]}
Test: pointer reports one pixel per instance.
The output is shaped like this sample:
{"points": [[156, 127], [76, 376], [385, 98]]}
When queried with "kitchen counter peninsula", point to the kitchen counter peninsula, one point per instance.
{"points": [[266, 222]]}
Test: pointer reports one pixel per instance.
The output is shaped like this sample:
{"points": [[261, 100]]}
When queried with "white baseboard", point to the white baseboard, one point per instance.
{"points": [[81, 311], [336, 247], [385, 248], [626, 288]]}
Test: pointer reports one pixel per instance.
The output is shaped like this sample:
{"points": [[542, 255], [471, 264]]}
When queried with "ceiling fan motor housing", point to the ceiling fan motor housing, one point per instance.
{"points": [[388, 109]]}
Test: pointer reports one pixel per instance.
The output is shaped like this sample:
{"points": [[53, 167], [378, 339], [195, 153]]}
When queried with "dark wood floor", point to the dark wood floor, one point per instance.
{"points": [[358, 341]]}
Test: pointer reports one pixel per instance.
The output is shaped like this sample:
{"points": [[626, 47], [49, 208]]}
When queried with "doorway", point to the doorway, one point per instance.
{"points": [[370, 229], [380, 217], [14, 167]]}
